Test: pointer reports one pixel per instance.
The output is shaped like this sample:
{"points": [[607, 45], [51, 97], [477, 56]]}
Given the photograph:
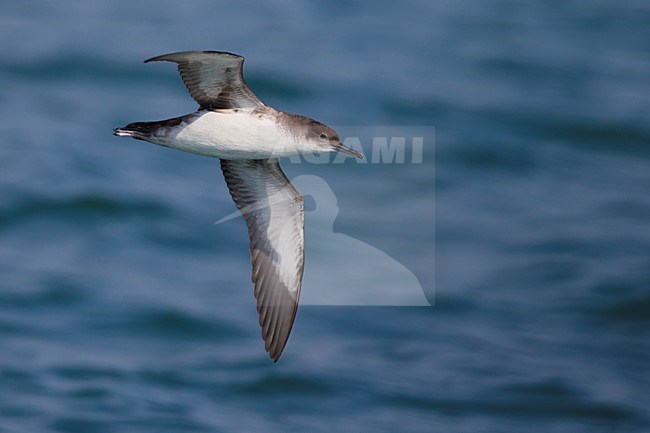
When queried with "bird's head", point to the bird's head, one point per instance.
{"points": [[322, 138]]}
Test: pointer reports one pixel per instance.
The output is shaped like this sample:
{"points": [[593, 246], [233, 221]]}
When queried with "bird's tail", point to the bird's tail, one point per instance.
{"points": [[137, 130], [144, 130]]}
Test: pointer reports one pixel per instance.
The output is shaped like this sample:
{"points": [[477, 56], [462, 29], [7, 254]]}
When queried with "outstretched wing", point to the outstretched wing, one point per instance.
{"points": [[274, 214], [213, 78]]}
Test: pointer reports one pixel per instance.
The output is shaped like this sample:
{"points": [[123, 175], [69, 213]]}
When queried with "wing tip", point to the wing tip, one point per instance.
{"points": [[277, 353], [275, 344], [182, 55]]}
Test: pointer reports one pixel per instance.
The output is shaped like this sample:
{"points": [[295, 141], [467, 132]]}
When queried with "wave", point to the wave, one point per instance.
{"points": [[84, 205]]}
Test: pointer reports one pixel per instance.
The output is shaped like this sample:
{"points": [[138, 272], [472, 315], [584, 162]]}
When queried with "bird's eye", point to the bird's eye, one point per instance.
{"points": [[323, 136]]}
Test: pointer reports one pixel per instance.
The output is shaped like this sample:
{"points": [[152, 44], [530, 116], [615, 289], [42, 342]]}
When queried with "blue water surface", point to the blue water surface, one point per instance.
{"points": [[124, 308]]}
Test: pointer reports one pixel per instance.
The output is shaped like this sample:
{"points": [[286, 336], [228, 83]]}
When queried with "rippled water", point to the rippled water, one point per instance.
{"points": [[124, 308]]}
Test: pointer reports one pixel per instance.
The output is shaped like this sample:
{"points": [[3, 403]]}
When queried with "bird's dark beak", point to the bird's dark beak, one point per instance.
{"points": [[340, 148]]}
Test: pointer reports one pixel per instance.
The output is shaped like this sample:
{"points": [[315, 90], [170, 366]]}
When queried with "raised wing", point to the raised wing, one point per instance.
{"points": [[213, 78], [274, 214]]}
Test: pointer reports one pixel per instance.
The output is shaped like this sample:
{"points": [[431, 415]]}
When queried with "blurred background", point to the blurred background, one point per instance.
{"points": [[124, 308]]}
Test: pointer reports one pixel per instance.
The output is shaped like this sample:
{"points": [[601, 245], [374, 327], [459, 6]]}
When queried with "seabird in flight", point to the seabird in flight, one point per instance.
{"points": [[248, 136]]}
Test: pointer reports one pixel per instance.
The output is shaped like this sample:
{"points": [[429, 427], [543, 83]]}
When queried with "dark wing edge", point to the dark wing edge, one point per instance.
{"points": [[274, 214], [215, 79]]}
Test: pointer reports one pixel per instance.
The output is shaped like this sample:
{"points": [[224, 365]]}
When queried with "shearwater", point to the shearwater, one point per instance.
{"points": [[248, 136]]}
